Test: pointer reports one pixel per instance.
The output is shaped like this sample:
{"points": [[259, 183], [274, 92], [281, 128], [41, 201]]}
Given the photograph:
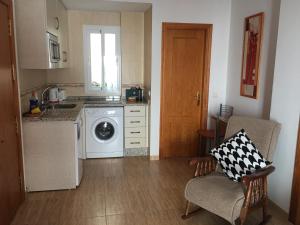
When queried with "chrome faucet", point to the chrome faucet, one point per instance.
{"points": [[44, 92]]}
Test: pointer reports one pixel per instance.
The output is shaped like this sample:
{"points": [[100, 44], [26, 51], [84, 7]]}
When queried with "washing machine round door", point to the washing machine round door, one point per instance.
{"points": [[105, 130]]}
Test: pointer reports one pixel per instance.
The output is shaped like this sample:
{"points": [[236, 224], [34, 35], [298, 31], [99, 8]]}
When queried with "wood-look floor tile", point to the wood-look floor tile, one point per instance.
{"points": [[167, 199], [85, 221], [116, 184], [204, 218], [125, 191], [123, 203], [164, 217], [30, 213], [87, 206], [94, 186], [127, 219]]}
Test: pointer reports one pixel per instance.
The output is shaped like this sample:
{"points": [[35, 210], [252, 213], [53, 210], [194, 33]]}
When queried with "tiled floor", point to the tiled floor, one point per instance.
{"points": [[129, 191]]}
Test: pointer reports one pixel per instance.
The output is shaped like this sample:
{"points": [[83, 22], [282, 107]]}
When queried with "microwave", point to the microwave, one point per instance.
{"points": [[53, 50]]}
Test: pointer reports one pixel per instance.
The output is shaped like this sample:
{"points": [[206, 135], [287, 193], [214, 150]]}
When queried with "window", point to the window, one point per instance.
{"points": [[102, 60]]}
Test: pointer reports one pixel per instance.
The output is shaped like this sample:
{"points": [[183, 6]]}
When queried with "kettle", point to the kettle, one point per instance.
{"points": [[53, 95]]}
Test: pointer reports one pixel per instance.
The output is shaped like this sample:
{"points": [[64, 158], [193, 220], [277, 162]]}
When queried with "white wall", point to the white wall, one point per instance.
{"points": [[31, 79], [216, 12], [240, 9], [147, 51], [285, 100]]}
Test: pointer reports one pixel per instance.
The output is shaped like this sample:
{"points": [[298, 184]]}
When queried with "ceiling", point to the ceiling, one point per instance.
{"points": [[106, 5]]}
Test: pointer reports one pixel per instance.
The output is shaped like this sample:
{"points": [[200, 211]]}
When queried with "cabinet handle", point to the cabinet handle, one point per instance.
{"points": [[135, 132], [57, 23], [135, 121], [135, 143], [135, 111]]}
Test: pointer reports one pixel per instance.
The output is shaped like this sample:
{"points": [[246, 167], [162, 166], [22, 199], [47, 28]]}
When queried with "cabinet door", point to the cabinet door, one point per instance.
{"points": [[52, 17], [63, 34]]}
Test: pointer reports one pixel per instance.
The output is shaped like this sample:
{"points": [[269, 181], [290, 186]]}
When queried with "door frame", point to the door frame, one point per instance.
{"points": [[206, 74], [295, 197], [16, 99]]}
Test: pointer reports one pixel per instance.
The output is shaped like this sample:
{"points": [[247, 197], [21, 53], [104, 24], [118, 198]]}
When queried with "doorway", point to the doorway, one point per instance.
{"points": [[11, 174], [184, 90], [294, 216]]}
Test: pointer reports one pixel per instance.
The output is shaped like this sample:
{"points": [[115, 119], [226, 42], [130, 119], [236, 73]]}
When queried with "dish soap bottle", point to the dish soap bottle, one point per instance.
{"points": [[33, 101]]}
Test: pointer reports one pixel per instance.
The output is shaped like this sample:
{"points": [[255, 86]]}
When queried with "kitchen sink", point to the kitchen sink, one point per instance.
{"points": [[61, 106]]}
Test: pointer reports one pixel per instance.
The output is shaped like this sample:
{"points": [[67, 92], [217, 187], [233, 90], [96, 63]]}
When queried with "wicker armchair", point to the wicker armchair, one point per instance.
{"points": [[211, 190]]}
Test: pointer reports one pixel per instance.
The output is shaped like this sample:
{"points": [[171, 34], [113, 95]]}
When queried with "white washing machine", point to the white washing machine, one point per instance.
{"points": [[104, 132]]}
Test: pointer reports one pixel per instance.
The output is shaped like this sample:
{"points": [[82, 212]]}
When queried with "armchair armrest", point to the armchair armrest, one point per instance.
{"points": [[258, 174], [256, 188], [204, 165]]}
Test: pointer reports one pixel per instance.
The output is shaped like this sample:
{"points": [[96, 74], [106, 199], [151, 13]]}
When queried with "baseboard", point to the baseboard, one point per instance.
{"points": [[136, 152], [154, 157]]}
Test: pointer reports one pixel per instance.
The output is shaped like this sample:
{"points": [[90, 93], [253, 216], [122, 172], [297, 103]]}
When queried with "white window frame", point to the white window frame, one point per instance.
{"points": [[87, 30]]}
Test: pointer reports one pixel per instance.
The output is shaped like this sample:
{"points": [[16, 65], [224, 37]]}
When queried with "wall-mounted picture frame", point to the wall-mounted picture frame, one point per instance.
{"points": [[253, 32]]}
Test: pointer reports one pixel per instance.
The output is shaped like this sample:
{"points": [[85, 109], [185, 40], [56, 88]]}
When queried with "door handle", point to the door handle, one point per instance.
{"points": [[198, 97]]}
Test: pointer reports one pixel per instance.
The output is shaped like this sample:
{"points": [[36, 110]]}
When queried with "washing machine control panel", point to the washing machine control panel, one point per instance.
{"points": [[108, 111]]}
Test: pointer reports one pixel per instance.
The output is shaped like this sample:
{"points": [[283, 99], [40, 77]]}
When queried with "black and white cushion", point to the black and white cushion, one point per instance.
{"points": [[238, 156]]}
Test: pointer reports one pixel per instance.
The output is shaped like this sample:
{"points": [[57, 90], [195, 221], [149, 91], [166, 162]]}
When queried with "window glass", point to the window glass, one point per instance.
{"points": [[96, 59], [110, 62], [102, 60]]}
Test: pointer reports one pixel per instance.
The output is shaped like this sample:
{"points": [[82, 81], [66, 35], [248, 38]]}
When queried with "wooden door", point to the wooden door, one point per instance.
{"points": [[294, 216], [184, 90], [11, 187]]}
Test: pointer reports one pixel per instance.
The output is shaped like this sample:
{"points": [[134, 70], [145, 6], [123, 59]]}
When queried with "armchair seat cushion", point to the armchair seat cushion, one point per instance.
{"points": [[217, 194]]}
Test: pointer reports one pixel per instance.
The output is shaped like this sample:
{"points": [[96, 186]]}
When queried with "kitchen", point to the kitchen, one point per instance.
{"points": [[75, 108], [77, 111]]}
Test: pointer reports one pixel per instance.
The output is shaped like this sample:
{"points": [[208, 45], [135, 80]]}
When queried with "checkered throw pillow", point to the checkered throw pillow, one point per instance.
{"points": [[238, 156]]}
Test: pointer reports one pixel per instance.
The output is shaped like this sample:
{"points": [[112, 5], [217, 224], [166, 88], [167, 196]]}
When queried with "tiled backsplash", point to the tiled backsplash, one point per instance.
{"points": [[71, 90], [25, 96], [78, 89]]}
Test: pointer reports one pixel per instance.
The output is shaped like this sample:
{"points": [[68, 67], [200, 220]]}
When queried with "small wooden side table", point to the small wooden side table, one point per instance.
{"points": [[206, 136], [213, 137], [221, 125]]}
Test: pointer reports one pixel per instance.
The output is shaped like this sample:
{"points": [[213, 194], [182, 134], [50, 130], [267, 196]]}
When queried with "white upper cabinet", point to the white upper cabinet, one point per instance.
{"points": [[63, 34], [34, 19], [52, 17]]}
